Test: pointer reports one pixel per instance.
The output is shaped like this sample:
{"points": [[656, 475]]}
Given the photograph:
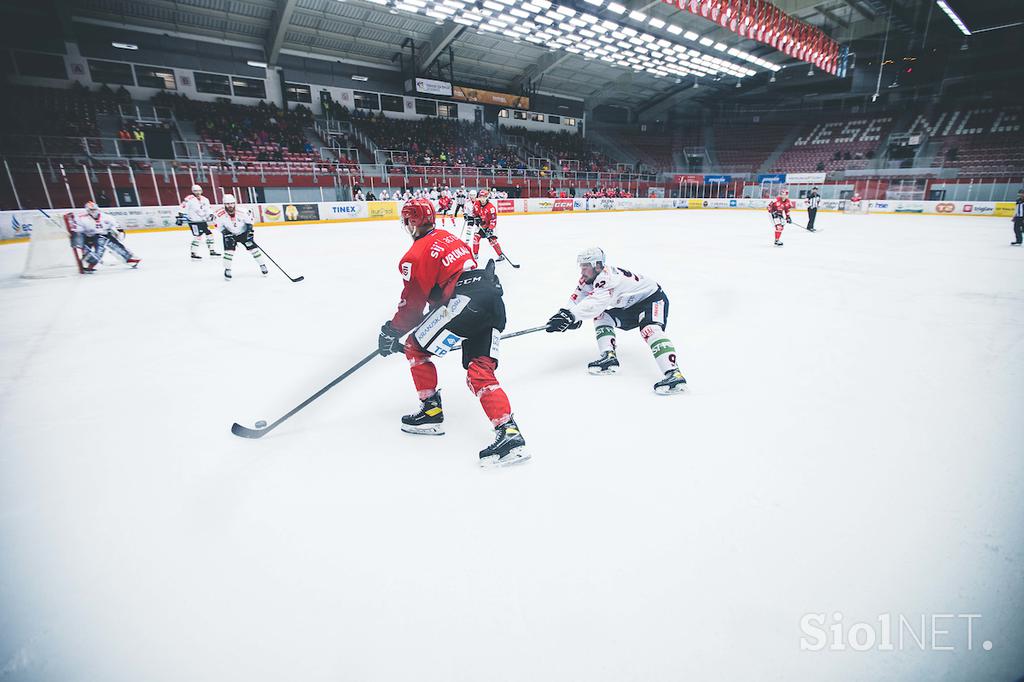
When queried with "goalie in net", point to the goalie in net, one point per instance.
{"points": [[855, 205], [77, 245]]}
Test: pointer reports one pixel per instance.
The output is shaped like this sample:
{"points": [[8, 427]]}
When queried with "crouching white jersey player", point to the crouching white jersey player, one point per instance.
{"points": [[94, 233], [616, 297], [236, 227]]}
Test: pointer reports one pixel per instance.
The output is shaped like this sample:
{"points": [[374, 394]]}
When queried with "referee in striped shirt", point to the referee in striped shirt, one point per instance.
{"points": [[813, 200], [1018, 219]]}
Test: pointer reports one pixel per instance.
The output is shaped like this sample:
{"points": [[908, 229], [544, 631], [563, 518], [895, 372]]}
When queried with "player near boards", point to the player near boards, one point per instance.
{"points": [[444, 205], [94, 233], [485, 216], [465, 306], [196, 211], [1018, 219], [460, 202], [813, 202], [616, 297], [236, 227], [779, 208]]}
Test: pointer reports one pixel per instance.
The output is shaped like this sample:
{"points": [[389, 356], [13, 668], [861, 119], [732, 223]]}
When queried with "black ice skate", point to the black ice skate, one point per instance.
{"points": [[1015, 243], [196, 256], [227, 275], [509, 447], [811, 229], [778, 242], [674, 382], [429, 421], [214, 253], [263, 268], [606, 364]]}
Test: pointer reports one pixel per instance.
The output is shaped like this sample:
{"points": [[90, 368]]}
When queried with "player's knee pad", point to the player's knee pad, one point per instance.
{"points": [[480, 375]]}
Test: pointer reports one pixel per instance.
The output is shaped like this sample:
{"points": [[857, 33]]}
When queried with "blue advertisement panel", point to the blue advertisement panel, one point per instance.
{"points": [[773, 177], [717, 178]]}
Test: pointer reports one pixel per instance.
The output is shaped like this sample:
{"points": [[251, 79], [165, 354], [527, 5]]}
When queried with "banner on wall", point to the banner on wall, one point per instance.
{"points": [[506, 205], [805, 178], [772, 177], [430, 87], [688, 179], [716, 179], [1005, 209], [500, 99], [382, 209], [271, 213], [301, 212]]}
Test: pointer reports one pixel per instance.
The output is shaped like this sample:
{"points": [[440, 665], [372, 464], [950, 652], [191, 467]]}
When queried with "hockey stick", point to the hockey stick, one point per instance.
{"points": [[512, 335], [246, 432], [294, 279], [509, 260]]}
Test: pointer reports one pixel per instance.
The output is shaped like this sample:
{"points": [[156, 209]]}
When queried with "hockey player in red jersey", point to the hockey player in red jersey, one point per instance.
{"points": [[485, 215], [780, 206], [465, 306], [444, 203]]}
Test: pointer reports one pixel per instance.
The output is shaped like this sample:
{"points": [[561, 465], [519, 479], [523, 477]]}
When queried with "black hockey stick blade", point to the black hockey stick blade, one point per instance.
{"points": [[509, 261], [246, 432]]}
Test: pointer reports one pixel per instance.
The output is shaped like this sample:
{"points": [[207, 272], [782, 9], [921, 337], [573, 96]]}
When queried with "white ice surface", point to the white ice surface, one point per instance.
{"points": [[851, 441]]}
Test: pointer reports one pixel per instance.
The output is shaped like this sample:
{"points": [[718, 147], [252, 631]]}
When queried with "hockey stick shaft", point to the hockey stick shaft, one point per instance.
{"points": [[512, 335], [245, 432], [294, 279]]}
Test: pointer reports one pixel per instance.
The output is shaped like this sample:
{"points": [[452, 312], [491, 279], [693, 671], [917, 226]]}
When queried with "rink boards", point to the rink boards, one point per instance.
{"points": [[17, 225]]}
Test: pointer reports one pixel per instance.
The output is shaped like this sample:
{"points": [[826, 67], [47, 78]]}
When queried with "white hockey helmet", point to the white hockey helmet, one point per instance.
{"points": [[197, 189], [591, 256], [228, 200], [92, 209]]}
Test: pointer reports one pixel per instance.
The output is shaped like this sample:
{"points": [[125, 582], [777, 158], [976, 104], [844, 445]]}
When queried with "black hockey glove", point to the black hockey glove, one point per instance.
{"points": [[563, 321], [179, 220], [789, 219], [387, 342]]}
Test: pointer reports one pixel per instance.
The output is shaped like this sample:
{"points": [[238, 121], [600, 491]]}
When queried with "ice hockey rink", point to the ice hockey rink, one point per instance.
{"points": [[851, 442]]}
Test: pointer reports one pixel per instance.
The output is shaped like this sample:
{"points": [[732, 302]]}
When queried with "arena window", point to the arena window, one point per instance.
{"points": [[448, 110], [40, 65], [519, 115], [298, 92], [427, 107], [248, 87], [111, 73], [554, 119], [539, 118], [155, 77], [366, 100], [392, 103], [503, 113], [212, 83]]}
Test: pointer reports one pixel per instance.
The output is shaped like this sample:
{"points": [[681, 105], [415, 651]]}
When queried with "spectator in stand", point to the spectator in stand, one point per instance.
{"points": [[102, 199]]}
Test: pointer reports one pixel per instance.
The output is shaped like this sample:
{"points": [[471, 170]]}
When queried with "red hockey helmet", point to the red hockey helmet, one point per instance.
{"points": [[418, 217], [483, 195], [784, 193]]}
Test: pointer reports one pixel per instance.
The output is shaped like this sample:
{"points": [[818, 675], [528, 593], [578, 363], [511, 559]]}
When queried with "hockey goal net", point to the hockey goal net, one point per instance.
{"points": [[855, 207], [50, 251]]}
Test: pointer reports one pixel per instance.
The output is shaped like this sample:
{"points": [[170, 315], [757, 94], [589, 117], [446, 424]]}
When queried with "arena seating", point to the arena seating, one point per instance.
{"points": [[977, 140], [568, 146], [744, 147], [437, 142], [59, 112], [847, 143], [248, 133]]}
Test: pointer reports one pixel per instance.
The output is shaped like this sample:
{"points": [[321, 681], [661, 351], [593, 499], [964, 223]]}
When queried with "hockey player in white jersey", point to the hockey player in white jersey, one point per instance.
{"points": [[196, 211], [94, 233], [616, 297], [236, 227], [384, 196]]}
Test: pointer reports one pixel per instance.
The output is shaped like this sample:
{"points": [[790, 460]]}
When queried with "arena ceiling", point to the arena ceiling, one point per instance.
{"points": [[372, 33]]}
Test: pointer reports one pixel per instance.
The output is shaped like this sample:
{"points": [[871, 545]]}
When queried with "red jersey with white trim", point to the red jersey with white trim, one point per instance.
{"points": [[445, 202], [488, 214], [430, 269], [780, 205]]}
